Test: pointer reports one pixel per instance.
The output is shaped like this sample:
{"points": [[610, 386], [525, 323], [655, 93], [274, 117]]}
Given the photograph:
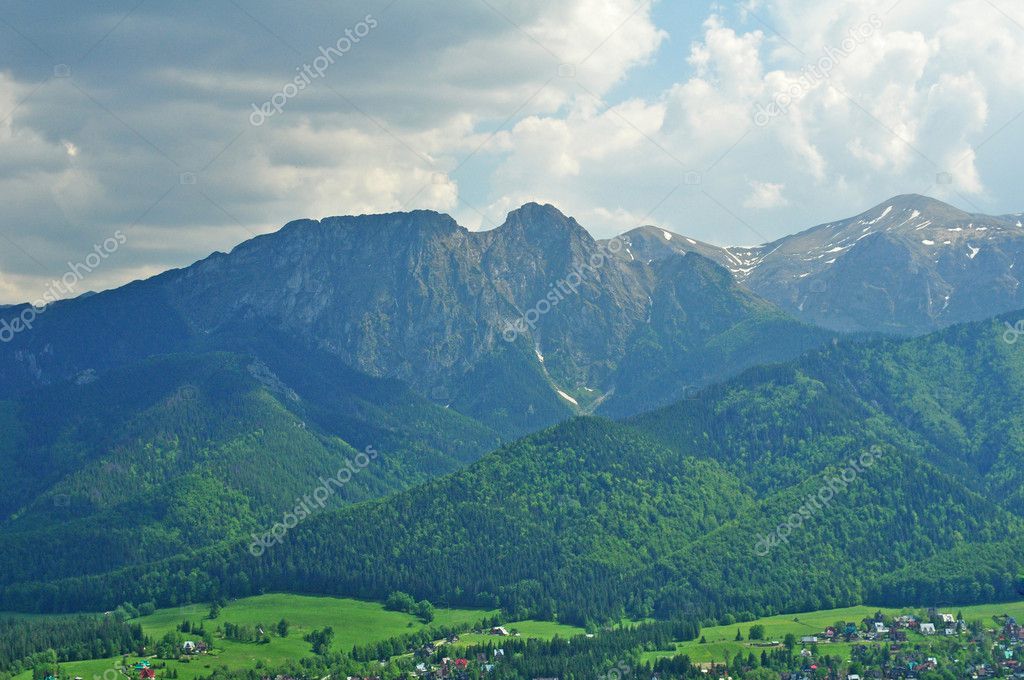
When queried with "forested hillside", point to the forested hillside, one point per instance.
{"points": [[674, 512], [181, 452]]}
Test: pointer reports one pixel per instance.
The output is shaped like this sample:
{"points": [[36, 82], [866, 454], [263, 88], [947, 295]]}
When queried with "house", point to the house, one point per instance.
{"points": [[499, 630], [927, 629], [188, 647], [947, 618], [147, 674], [950, 631], [880, 628], [809, 639]]}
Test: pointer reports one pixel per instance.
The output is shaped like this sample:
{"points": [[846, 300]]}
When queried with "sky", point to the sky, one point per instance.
{"points": [[155, 133]]}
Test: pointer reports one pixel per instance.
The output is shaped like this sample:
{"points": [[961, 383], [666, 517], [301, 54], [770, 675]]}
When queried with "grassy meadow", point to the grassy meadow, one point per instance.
{"points": [[354, 622]]}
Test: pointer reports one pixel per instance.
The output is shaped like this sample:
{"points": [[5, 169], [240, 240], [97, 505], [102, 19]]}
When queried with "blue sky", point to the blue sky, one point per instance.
{"points": [[138, 116]]}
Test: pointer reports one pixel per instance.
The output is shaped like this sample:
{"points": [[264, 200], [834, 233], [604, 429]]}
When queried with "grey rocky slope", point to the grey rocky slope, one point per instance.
{"points": [[517, 327], [909, 265]]}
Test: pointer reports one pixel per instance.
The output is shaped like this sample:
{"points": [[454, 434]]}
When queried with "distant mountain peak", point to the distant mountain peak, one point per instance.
{"points": [[658, 233], [534, 209], [916, 201], [914, 205], [542, 223], [910, 264]]}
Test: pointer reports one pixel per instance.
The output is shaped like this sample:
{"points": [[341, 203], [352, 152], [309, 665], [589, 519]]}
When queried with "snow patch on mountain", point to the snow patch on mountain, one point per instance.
{"points": [[569, 399]]}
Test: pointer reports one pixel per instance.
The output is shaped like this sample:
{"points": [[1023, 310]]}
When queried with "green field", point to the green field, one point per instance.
{"points": [[354, 622], [357, 622], [721, 640], [544, 630]]}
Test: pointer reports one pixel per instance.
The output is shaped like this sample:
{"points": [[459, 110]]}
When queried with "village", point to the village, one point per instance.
{"points": [[904, 647], [926, 645], [932, 646]]}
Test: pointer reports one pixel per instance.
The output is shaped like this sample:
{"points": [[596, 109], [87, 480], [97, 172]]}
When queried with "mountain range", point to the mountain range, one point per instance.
{"points": [[909, 265], [513, 327], [417, 298], [561, 425]]}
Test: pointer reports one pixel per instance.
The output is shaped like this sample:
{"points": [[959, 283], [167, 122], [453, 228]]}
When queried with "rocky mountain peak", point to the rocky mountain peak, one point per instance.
{"points": [[542, 224]]}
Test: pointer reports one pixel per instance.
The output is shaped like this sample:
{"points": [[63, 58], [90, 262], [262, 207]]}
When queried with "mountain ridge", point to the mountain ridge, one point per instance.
{"points": [[418, 298]]}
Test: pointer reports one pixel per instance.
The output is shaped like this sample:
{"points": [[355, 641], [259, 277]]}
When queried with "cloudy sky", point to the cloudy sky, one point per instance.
{"points": [[191, 126]]}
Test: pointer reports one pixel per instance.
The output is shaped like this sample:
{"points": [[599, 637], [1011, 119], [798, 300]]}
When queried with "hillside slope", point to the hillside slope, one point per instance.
{"points": [[181, 452], [673, 512]]}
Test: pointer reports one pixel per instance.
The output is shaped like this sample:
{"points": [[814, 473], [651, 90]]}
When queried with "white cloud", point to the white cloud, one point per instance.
{"points": [[170, 93], [904, 96], [765, 195], [392, 124]]}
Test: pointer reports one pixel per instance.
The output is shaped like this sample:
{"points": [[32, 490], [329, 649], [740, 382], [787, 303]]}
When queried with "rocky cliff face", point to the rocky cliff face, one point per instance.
{"points": [[519, 326]]}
